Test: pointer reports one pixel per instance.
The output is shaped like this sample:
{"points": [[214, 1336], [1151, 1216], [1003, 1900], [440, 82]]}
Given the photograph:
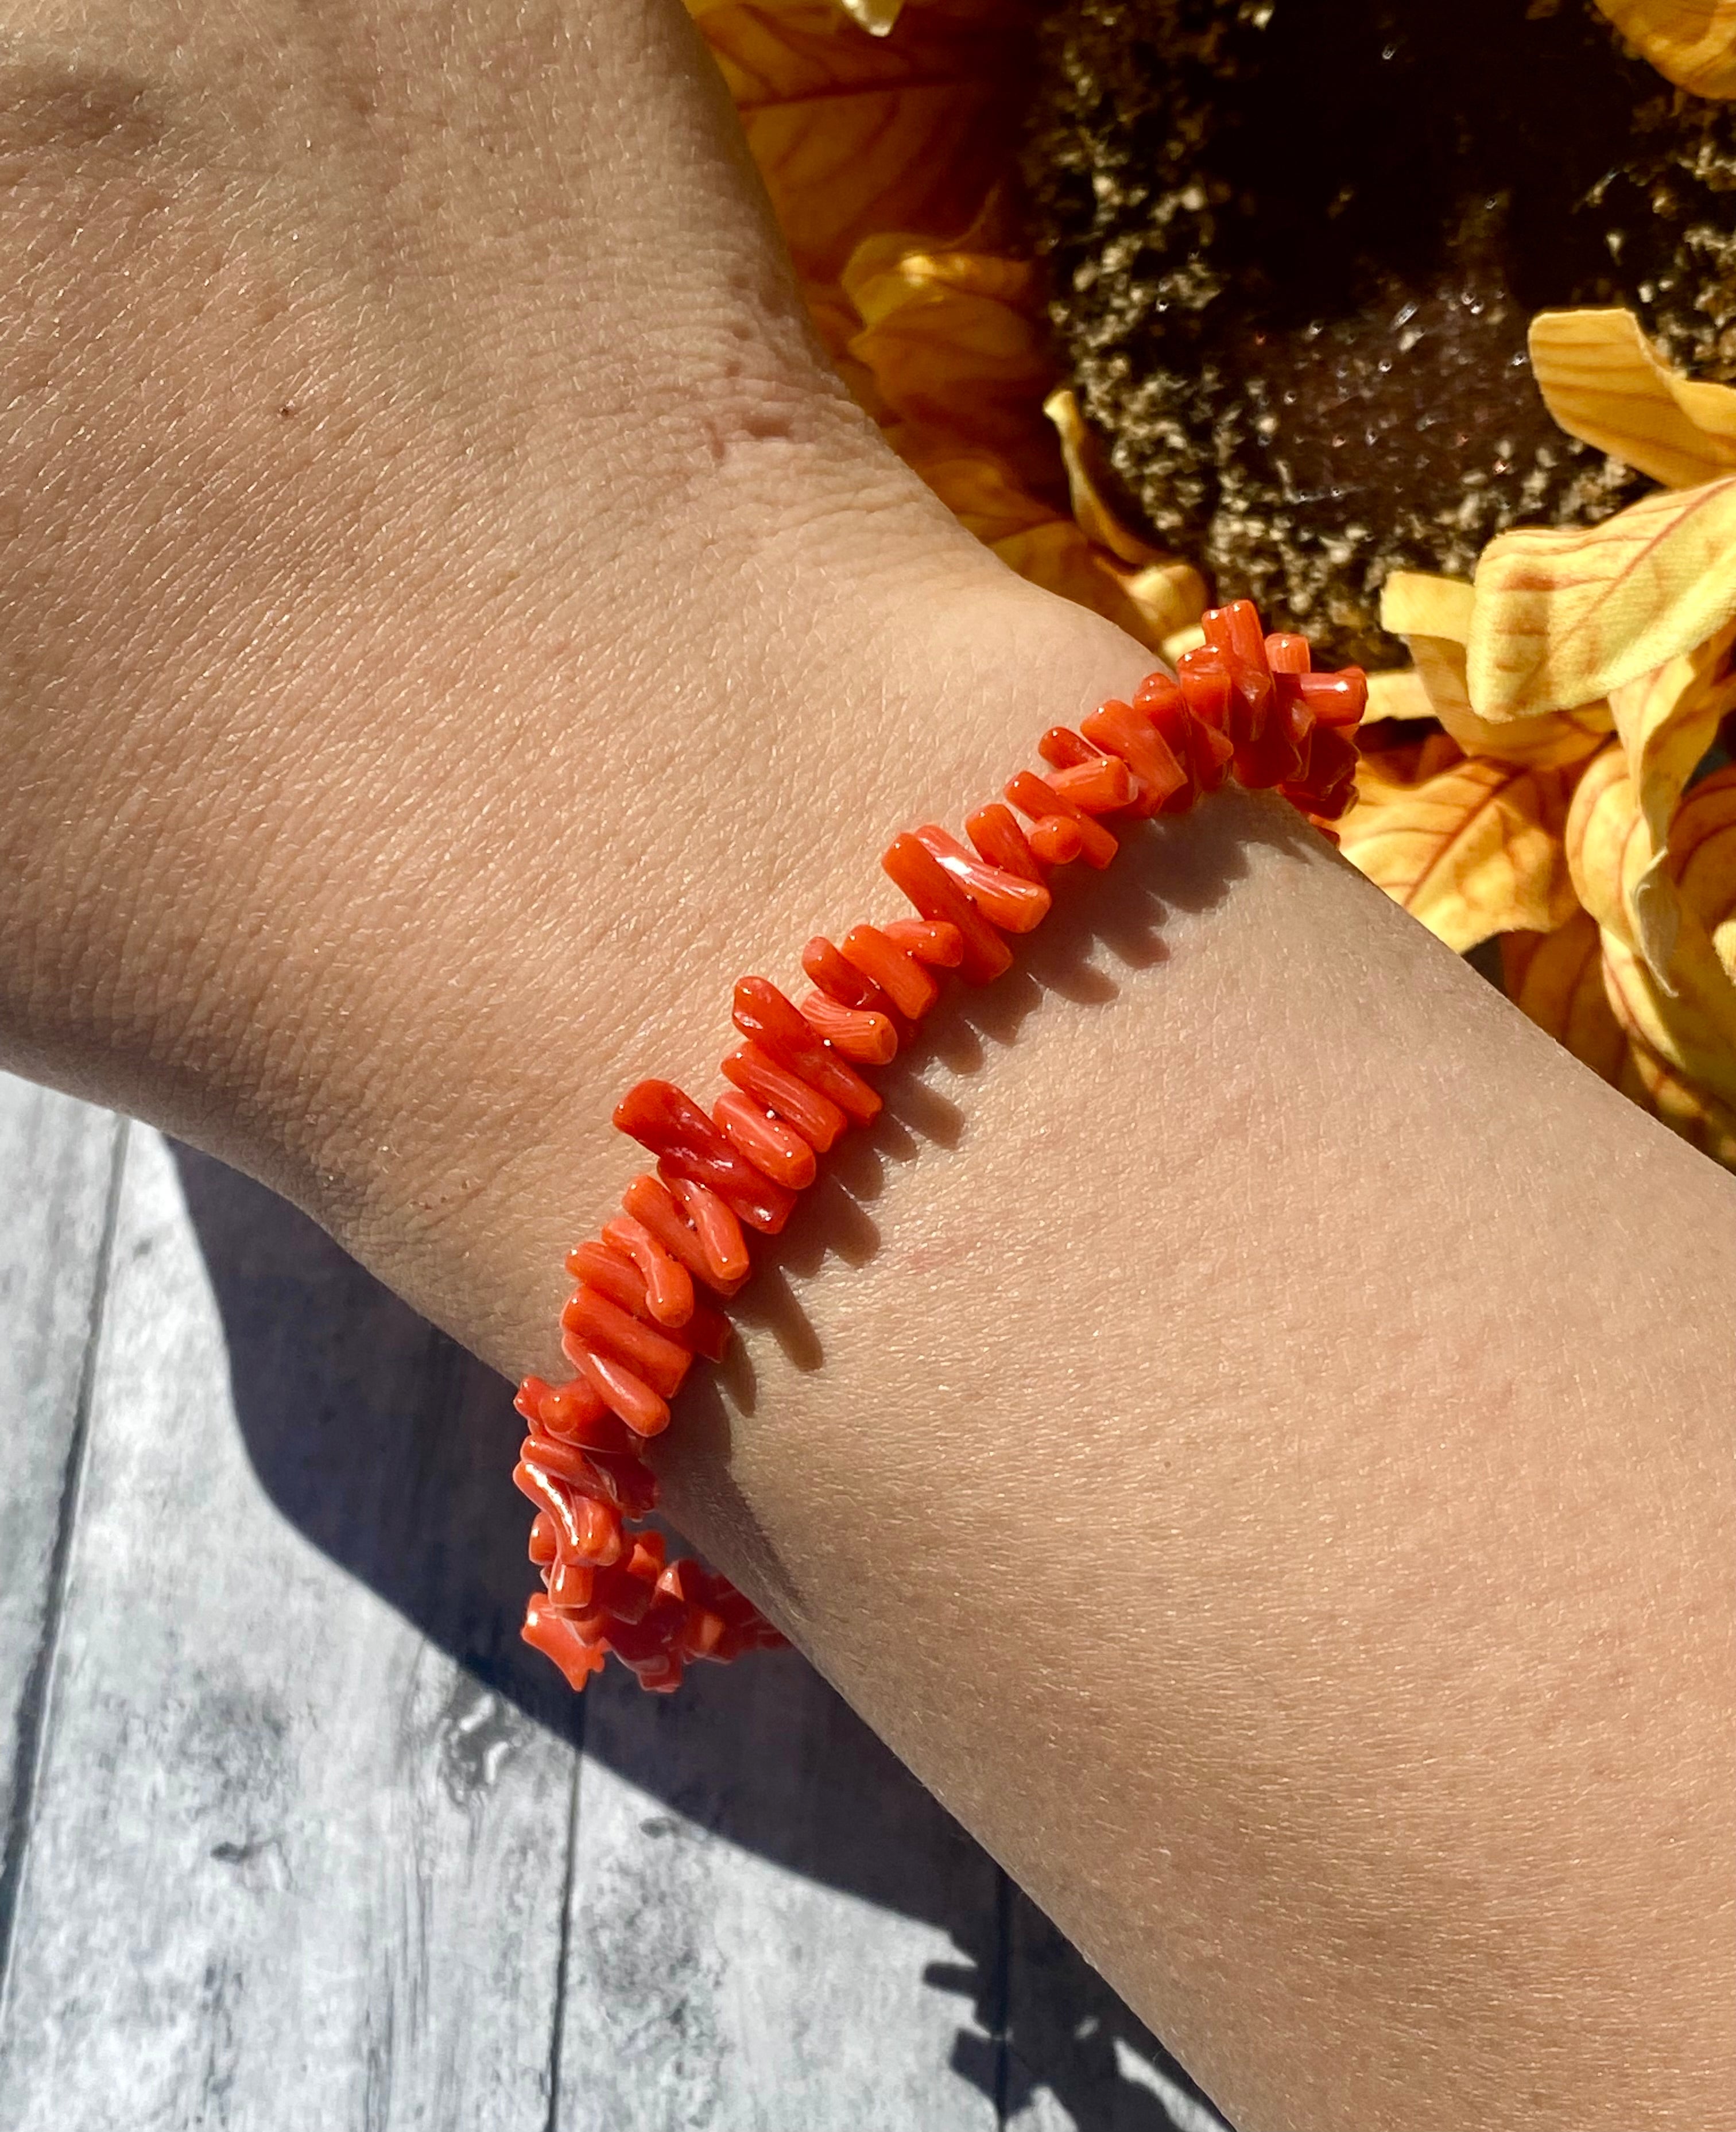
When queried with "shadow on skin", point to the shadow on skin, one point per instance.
{"points": [[389, 1448], [1103, 927]]}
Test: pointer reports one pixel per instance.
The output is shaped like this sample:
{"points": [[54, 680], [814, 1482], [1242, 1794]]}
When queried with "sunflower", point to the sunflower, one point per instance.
{"points": [[1545, 771]]}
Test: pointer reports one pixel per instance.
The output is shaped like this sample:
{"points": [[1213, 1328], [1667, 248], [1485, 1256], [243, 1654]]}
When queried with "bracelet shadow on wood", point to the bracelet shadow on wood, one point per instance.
{"points": [[387, 1448]]}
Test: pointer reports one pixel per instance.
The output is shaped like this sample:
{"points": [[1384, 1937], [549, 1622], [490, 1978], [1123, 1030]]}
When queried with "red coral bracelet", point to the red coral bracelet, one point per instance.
{"points": [[1245, 704]]}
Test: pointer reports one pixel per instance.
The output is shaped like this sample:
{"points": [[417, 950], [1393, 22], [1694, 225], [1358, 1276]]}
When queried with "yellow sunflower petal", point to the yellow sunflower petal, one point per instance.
{"points": [[1398, 694], [1690, 1025], [1703, 860], [979, 488], [1474, 849], [1545, 742], [1168, 596], [1666, 722], [1692, 1031], [1691, 42], [1418, 603], [856, 134], [1563, 616], [1698, 1115], [1557, 979], [1383, 772], [1602, 821], [1087, 482], [1433, 615], [954, 340], [1149, 604], [1602, 381]]}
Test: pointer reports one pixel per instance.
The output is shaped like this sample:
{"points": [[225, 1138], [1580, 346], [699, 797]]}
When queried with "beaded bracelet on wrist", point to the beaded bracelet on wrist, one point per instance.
{"points": [[1243, 705]]}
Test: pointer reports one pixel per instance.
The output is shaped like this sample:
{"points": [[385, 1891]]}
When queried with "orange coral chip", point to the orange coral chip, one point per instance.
{"points": [[633, 1269], [649, 1200], [1120, 730], [661, 1362], [571, 1411], [586, 1530], [930, 940], [768, 1142], [618, 1387], [667, 1120], [995, 832], [548, 1631], [854, 1032], [1038, 798], [897, 973], [919, 874], [1009, 899], [763, 1014], [1101, 786], [757, 1073], [838, 978]]}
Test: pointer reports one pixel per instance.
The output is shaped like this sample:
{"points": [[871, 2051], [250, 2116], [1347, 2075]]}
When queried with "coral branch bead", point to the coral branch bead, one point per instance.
{"points": [[1119, 730], [661, 1117], [1039, 798], [763, 1015], [858, 1033], [903, 978], [1008, 900], [833, 973], [757, 1073], [714, 1259], [639, 1275], [768, 1142], [917, 872], [643, 1409]]}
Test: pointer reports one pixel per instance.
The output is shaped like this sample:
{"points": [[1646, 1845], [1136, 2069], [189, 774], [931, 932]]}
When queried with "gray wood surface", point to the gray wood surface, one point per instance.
{"points": [[58, 1163], [297, 1834]]}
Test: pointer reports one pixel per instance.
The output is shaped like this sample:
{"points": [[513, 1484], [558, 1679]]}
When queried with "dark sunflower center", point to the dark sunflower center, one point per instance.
{"points": [[1295, 246]]}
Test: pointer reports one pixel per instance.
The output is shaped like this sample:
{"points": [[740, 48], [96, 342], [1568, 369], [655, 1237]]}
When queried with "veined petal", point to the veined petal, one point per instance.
{"points": [[953, 338], [1150, 604], [1472, 850], [1420, 603], [1666, 722], [856, 134], [1602, 381], [876, 16], [1087, 485], [1695, 1113], [1433, 615], [1565, 615], [1691, 42], [1557, 980]]}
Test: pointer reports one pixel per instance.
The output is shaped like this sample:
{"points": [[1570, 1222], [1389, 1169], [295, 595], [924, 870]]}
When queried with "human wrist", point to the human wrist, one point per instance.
{"points": [[475, 1132]]}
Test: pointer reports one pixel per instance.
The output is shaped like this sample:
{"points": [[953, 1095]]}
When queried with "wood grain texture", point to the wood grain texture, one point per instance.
{"points": [[310, 1842], [289, 1864], [768, 1915], [57, 1160]]}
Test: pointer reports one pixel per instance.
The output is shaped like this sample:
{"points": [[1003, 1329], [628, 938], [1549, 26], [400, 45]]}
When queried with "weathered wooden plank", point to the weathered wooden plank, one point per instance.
{"points": [[767, 1915], [289, 1863], [1078, 2059], [57, 1160]]}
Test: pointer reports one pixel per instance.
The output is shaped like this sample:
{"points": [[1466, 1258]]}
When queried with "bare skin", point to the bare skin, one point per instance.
{"points": [[1252, 1429]]}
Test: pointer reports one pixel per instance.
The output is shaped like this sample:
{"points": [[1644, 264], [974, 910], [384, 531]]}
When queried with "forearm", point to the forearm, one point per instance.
{"points": [[1247, 1427], [1250, 1432]]}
